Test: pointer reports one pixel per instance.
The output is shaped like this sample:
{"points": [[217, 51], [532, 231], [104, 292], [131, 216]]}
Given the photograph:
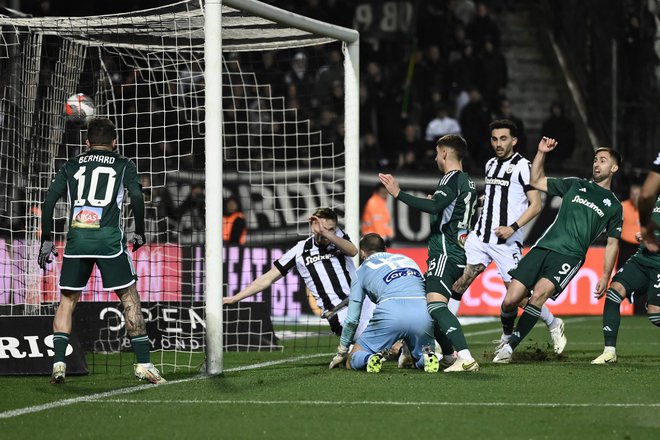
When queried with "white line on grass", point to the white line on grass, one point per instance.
{"points": [[384, 403], [129, 390]]}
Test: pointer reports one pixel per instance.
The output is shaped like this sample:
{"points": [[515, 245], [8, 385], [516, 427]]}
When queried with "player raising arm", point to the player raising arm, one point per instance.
{"points": [[589, 207]]}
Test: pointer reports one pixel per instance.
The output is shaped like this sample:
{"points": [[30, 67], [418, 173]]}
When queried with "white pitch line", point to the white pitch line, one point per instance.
{"points": [[385, 403], [129, 390]]}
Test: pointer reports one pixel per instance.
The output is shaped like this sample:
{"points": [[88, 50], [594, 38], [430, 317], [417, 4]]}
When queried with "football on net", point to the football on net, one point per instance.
{"points": [[79, 108]]}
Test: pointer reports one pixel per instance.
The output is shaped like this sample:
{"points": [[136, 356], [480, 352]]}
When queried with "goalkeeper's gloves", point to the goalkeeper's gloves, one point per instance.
{"points": [[340, 357], [47, 248], [138, 241]]}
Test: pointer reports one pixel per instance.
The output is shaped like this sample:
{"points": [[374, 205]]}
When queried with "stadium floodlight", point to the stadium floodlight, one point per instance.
{"points": [[185, 86]]}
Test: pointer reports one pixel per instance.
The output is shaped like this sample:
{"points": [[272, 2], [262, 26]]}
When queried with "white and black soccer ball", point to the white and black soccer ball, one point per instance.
{"points": [[79, 108]]}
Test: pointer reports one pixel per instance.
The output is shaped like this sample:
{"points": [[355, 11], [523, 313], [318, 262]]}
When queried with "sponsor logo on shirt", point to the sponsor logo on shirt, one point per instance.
{"points": [[607, 202], [584, 190], [87, 217], [320, 257], [588, 204], [496, 181], [400, 273]]}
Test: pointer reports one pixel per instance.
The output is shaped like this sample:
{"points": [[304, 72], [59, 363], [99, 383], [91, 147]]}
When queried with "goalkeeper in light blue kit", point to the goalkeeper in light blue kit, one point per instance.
{"points": [[395, 284]]}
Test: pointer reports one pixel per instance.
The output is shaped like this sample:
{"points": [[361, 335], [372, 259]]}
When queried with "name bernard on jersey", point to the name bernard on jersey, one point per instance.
{"points": [[97, 158], [588, 204]]}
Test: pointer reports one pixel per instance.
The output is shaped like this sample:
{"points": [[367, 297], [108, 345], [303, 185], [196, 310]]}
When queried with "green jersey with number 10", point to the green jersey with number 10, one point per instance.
{"points": [[95, 182]]}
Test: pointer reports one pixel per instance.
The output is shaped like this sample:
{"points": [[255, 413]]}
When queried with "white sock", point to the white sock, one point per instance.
{"points": [[453, 306], [548, 317], [465, 354], [504, 337], [609, 349]]}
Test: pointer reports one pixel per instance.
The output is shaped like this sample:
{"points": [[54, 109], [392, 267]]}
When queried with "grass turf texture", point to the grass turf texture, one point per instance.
{"points": [[293, 395]]}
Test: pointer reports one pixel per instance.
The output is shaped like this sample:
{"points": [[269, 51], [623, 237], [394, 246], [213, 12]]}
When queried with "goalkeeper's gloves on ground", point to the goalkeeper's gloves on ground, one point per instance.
{"points": [[47, 248], [340, 357], [138, 241]]}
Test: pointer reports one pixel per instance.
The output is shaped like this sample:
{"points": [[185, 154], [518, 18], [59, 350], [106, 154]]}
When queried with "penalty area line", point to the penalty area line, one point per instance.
{"points": [[128, 390]]}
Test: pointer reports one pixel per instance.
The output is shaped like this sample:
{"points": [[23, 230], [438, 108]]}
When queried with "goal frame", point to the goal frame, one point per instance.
{"points": [[214, 136]]}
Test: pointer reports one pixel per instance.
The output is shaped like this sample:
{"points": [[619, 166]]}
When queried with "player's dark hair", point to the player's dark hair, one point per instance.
{"points": [[612, 152], [504, 123], [327, 213], [372, 242], [101, 131], [455, 142]]}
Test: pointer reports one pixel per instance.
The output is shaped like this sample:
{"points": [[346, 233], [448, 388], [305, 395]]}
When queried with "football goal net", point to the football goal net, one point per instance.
{"points": [[213, 100]]}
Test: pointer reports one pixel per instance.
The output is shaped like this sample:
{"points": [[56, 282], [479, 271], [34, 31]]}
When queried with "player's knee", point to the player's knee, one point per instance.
{"points": [[654, 318]]}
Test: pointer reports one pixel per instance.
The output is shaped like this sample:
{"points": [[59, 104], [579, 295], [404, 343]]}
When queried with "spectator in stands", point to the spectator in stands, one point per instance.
{"points": [[192, 211], [376, 217], [506, 112], [483, 28], [441, 125], [159, 209], [302, 78], [494, 77], [411, 149], [268, 72], [474, 120], [371, 155], [434, 70], [234, 227], [559, 126]]}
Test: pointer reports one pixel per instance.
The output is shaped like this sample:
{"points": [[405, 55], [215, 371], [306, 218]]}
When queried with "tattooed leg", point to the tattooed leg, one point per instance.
{"points": [[469, 274], [132, 311]]}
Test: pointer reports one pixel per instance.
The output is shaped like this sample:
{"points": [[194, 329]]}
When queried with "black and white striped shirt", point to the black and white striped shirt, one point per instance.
{"points": [[507, 182], [327, 271]]}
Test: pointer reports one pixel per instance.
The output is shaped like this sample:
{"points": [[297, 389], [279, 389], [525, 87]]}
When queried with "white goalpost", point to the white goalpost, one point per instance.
{"points": [[205, 117]]}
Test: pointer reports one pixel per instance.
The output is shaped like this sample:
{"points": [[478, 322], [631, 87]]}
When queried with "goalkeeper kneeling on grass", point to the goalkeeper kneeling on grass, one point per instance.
{"points": [[395, 284]]}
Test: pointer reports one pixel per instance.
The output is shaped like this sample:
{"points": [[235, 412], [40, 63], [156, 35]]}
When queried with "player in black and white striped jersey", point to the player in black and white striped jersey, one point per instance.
{"points": [[324, 261], [509, 203]]}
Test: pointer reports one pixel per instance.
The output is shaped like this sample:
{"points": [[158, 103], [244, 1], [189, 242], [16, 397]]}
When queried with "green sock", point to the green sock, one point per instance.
{"points": [[60, 342], [141, 347], [443, 340], [508, 320], [448, 324], [611, 317], [526, 323]]}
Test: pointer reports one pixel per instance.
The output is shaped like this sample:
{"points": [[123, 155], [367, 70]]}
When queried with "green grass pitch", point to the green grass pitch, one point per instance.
{"points": [[292, 395]]}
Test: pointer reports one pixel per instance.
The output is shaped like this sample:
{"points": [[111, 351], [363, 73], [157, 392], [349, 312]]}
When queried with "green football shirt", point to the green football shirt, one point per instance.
{"points": [[451, 208], [643, 256], [586, 211], [95, 182]]}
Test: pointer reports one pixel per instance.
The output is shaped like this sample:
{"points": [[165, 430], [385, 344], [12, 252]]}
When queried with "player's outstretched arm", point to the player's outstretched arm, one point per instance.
{"points": [[256, 286], [537, 176], [611, 251]]}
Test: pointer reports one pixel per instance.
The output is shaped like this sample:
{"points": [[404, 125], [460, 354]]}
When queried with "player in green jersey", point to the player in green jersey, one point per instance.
{"points": [[588, 208], [640, 272], [94, 182], [451, 208]]}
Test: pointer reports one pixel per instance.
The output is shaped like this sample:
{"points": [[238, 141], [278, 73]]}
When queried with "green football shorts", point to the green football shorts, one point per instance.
{"points": [[544, 263], [117, 272], [441, 274], [635, 276]]}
